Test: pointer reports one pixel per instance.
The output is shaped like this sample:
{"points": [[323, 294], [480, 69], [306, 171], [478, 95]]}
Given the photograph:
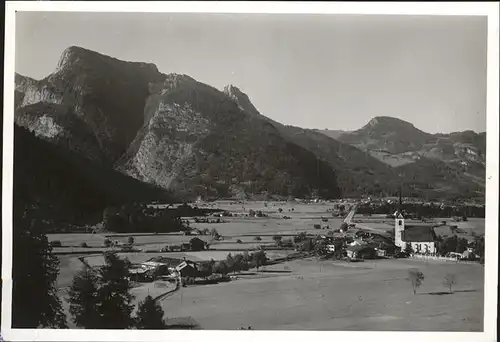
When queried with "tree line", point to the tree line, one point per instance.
{"points": [[420, 210], [136, 218]]}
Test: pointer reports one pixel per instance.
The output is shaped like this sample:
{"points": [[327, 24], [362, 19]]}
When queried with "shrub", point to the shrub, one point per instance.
{"points": [[84, 245], [239, 241], [107, 242], [257, 238], [415, 277], [131, 240], [56, 243]]}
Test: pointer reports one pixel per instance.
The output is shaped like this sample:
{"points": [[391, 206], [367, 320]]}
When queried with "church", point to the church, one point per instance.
{"points": [[421, 238]]}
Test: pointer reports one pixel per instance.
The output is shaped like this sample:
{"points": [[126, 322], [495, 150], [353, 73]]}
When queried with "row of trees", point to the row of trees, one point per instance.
{"points": [[421, 210], [233, 264], [416, 277], [129, 219]]}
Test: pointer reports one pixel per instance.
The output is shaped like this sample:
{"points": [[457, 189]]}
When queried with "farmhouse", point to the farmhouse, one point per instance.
{"points": [[187, 269], [361, 252]]}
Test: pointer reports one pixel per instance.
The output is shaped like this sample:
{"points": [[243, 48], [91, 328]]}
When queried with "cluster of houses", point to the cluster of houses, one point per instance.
{"points": [[195, 244], [168, 269], [359, 243]]}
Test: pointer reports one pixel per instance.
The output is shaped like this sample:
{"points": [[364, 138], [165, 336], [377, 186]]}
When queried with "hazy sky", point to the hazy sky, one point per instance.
{"points": [[314, 71]]}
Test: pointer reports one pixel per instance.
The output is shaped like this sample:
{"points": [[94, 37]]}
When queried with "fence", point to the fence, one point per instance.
{"points": [[439, 258]]}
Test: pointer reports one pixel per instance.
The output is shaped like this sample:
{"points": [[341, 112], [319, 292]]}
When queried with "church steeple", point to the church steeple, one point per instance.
{"points": [[400, 207]]}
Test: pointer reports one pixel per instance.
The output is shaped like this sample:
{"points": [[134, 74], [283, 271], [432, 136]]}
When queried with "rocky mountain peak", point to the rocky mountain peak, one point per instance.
{"points": [[76, 56], [241, 99]]}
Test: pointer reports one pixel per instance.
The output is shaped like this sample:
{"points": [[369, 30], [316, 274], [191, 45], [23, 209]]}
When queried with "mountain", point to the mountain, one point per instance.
{"points": [[196, 140], [397, 142], [454, 162], [357, 172], [101, 95], [335, 134], [166, 130], [68, 186], [172, 132]]}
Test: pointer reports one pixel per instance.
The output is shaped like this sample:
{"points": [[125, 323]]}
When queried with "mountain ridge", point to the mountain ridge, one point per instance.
{"points": [[172, 131]]}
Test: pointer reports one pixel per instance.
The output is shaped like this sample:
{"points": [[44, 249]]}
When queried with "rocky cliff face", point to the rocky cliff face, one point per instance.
{"points": [[198, 141], [106, 94]]}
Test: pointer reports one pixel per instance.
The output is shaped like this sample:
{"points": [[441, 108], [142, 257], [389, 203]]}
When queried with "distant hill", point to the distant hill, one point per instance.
{"points": [[335, 134], [398, 143]]}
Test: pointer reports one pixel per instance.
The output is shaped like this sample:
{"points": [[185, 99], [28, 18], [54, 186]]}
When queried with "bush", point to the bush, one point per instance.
{"points": [[107, 242], [239, 241], [257, 238], [84, 245], [56, 243]]}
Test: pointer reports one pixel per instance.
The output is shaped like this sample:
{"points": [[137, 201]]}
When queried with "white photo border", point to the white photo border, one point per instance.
{"points": [[489, 9]]}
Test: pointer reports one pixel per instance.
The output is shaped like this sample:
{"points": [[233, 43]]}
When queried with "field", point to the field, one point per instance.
{"points": [[339, 296], [302, 294]]}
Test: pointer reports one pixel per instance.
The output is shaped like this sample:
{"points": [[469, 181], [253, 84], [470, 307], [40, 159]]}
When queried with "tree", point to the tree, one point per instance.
{"points": [[131, 240], [35, 269], [83, 299], [230, 262], [257, 238], [462, 245], [214, 233], [238, 263], [114, 300], [277, 239], [205, 269], [300, 237], [408, 248], [479, 248], [258, 259], [221, 267], [449, 280], [416, 277], [149, 315], [107, 243]]}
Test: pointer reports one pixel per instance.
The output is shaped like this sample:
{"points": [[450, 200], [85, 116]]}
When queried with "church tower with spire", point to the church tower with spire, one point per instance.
{"points": [[399, 225]]}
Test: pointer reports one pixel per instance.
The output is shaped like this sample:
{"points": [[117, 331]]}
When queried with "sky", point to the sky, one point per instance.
{"points": [[332, 72]]}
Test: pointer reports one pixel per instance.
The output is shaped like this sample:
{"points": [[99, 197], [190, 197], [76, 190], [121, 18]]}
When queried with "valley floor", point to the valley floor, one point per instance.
{"points": [[371, 295], [301, 294]]}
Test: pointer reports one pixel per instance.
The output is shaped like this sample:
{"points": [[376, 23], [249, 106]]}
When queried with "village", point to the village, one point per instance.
{"points": [[348, 242], [238, 242]]}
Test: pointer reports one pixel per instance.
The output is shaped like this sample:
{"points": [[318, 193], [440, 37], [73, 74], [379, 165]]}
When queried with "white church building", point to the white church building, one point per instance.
{"points": [[422, 238]]}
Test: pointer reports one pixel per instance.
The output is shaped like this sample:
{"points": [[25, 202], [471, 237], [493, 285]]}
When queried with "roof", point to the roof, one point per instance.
{"points": [[170, 262], [418, 234], [185, 264], [357, 248], [187, 322]]}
